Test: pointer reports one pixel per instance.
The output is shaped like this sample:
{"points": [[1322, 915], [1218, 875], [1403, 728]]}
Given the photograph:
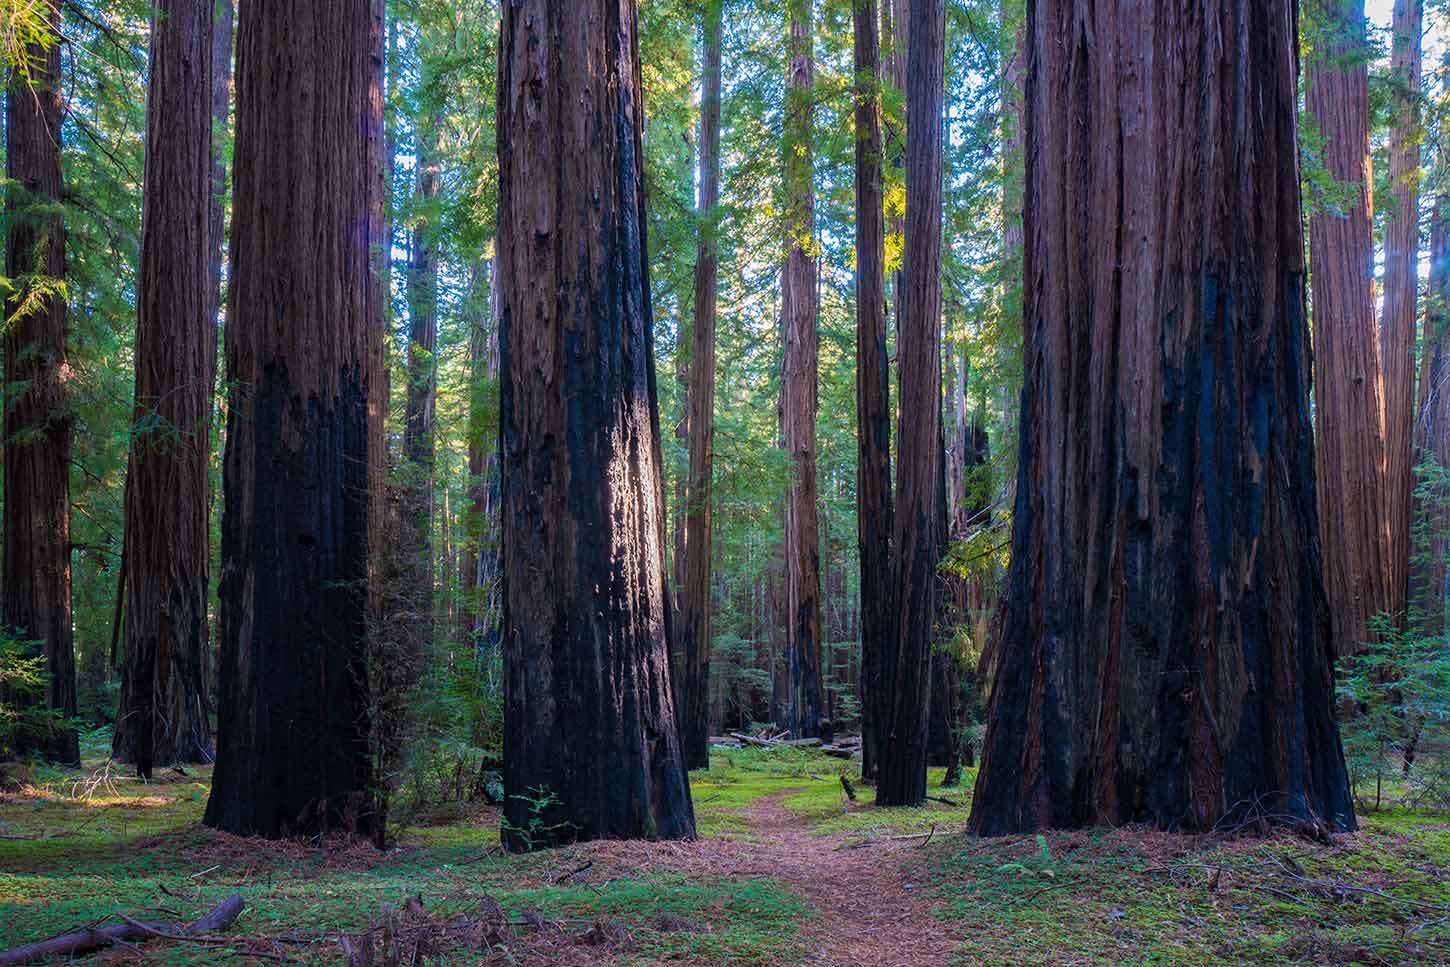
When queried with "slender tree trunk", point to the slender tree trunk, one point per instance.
{"points": [[223, 23], [799, 386], [873, 388], [1434, 422], [38, 422], [299, 478], [163, 704], [590, 741], [1359, 565], [1166, 656], [696, 624], [919, 513], [418, 444], [1402, 280], [480, 576]]}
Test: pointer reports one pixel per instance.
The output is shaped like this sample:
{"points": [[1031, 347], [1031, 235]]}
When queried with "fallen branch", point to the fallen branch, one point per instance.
{"points": [[87, 939], [944, 800]]}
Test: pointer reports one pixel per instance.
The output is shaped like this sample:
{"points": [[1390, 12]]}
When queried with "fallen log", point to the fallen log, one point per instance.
{"points": [[87, 939], [757, 742], [944, 801], [794, 743], [838, 751]]}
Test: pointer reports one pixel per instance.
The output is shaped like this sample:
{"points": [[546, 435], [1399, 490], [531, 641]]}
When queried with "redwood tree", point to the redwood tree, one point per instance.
{"points": [[798, 384], [1402, 279], [920, 511], [163, 706], [1166, 654], [299, 473], [590, 742], [695, 606], [873, 386], [36, 601], [1360, 568]]}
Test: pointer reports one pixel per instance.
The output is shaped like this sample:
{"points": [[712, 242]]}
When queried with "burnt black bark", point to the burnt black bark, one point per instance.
{"points": [[1166, 654], [303, 425], [590, 742]]}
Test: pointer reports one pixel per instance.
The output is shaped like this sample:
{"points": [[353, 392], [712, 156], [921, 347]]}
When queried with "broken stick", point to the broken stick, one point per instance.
{"points": [[87, 939]]}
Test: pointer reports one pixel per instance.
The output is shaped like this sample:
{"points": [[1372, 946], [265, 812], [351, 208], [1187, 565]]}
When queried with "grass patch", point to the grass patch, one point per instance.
{"points": [[96, 842]]}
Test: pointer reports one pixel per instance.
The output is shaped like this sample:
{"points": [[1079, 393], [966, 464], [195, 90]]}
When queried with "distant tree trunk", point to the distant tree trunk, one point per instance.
{"points": [[480, 576], [1359, 564], [798, 385], [1166, 654], [299, 477], [696, 624], [918, 512], [590, 742], [162, 716], [1402, 280], [418, 446], [223, 23], [873, 388], [38, 421], [1433, 591]]}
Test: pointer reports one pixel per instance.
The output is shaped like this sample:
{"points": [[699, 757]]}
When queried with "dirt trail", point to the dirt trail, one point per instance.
{"points": [[872, 913]]}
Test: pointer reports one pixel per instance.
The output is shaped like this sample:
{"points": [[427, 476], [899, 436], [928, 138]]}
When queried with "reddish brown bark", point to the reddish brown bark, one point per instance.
{"points": [[1433, 426], [163, 706], [695, 608], [798, 385], [38, 422], [873, 387], [920, 511], [1360, 568], [300, 468], [590, 741], [1402, 279], [1166, 655]]}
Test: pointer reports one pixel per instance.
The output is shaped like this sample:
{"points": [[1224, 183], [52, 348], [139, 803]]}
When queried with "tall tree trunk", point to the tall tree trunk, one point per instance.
{"points": [[162, 717], [1359, 565], [1402, 280], [590, 741], [418, 445], [299, 477], [919, 512], [1434, 422], [798, 385], [223, 23], [480, 578], [38, 421], [696, 624], [1166, 653], [873, 388]]}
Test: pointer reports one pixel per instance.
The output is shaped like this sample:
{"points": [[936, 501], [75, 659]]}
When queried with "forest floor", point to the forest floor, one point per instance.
{"points": [[786, 871]]}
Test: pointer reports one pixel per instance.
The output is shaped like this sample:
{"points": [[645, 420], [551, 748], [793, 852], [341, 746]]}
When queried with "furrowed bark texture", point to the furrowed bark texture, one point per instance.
{"points": [[1433, 424], [299, 475], [1360, 567], [920, 513], [696, 606], [1166, 651], [38, 422], [798, 386], [873, 387], [162, 716], [1402, 279], [590, 741]]}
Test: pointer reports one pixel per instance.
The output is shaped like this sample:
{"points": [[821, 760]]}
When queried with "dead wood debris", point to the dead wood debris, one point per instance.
{"points": [[85, 939]]}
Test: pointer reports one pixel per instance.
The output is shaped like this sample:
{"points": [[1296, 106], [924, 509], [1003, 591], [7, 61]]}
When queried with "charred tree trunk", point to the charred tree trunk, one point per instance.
{"points": [[38, 421], [1402, 280], [589, 723], [162, 717], [1166, 649], [798, 387], [919, 511], [873, 388], [1359, 565], [299, 478], [696, 623]]}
